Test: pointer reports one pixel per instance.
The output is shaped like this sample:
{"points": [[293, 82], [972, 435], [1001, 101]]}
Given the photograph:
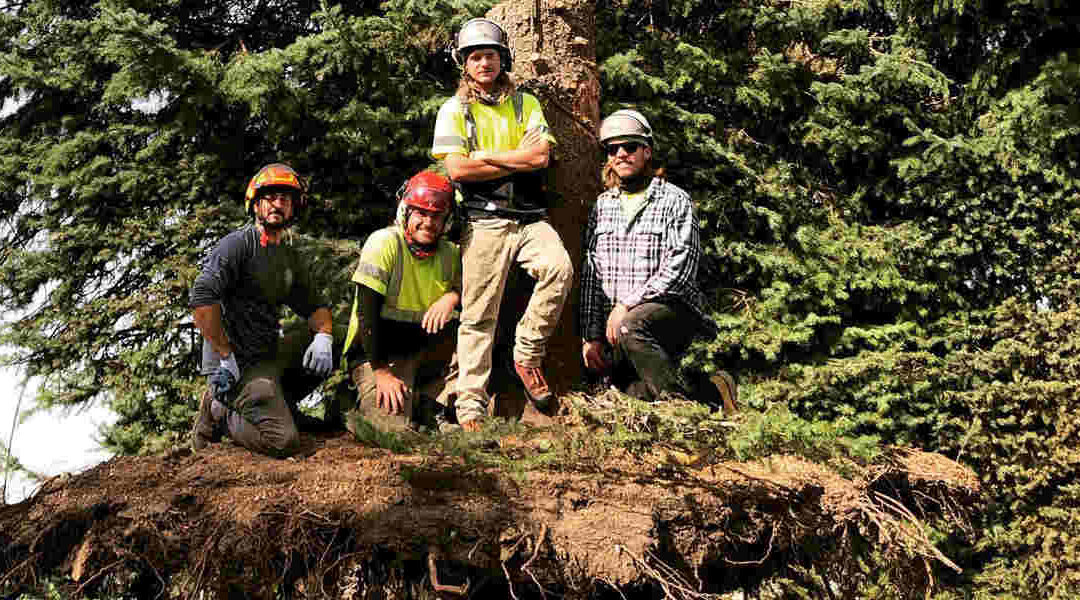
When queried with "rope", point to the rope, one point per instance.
{"points": [[11, 439]]}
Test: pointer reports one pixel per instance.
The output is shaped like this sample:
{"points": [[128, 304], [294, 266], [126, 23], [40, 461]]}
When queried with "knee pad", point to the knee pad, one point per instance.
{"points": [[261, 390]]}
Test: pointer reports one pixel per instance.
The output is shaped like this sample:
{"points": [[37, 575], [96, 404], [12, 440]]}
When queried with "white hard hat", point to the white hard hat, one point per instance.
{"points": [[626, 124], [480, 33]]}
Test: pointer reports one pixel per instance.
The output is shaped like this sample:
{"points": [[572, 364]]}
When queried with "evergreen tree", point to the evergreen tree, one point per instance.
{"points": [[889, 190], [130, 131]]}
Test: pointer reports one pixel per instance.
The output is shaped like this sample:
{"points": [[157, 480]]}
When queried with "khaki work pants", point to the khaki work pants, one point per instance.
{"points": [[489, 248], [429, 372]]}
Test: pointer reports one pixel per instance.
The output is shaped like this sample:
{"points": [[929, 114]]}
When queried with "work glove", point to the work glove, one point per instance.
{"points": [[225, 377], [319, 357]]}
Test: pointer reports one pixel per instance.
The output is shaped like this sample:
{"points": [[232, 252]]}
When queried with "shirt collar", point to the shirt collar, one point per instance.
{"points": [[654, 189]]}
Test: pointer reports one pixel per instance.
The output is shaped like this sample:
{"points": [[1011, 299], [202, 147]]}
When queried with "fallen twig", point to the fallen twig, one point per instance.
{"points": [[768, 551], [433, 572]]}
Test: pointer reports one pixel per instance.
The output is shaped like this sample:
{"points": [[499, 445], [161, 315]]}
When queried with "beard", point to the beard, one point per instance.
{"points": [[634, 183], [417, 248], [276, 226]]}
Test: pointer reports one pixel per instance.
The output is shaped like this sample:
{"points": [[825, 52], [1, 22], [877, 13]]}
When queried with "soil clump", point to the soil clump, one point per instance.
{"points": [[347, 520]]}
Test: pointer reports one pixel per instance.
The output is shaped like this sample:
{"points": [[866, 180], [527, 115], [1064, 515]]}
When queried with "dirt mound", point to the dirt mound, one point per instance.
{"points": [[353, 521]]}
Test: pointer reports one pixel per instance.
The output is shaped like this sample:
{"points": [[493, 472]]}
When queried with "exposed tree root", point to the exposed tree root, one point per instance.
{"points": [[433, 572], [356, 522]]}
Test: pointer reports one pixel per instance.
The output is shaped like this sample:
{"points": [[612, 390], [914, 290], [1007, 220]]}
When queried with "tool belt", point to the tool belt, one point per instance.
{"points": [[520, 197]]}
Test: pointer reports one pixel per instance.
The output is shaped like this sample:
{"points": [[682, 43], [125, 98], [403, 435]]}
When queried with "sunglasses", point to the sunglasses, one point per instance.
{"points": [[272, 197], [630, 147]]}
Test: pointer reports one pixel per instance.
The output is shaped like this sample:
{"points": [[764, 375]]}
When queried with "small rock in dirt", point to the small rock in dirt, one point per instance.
{"points": [[540, 444]]}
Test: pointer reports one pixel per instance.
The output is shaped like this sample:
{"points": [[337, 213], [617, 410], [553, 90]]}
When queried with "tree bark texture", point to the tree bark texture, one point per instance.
{"points": [[554, 45]]}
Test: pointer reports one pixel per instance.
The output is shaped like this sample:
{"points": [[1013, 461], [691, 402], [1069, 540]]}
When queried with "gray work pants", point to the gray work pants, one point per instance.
{"points": [[262, 419]]}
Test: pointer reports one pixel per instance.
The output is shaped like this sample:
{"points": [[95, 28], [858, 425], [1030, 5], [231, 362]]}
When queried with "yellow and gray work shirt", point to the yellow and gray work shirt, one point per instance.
{"points": [[409, 285], [497, 127], [478, 130]]}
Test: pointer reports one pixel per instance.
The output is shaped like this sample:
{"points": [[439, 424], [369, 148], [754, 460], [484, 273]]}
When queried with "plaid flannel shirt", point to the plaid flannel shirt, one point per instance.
{"points": [[654, 257]]}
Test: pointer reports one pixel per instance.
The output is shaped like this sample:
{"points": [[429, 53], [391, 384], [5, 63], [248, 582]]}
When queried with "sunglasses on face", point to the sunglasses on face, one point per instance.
{"points": [[273, 197], [630, 147]]}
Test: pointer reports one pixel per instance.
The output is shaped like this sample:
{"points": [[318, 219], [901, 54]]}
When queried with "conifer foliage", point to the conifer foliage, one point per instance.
{"points": [[129, 133], [887, 189]]}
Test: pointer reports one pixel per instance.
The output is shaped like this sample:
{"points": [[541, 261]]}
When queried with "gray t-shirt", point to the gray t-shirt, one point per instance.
{"points": [[251, 282]]}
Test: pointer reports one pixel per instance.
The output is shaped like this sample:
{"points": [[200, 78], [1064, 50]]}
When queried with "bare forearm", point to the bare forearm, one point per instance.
{"points": [[530, 158], [463, 168], [208, 320], [321, 321], [498, 164]]}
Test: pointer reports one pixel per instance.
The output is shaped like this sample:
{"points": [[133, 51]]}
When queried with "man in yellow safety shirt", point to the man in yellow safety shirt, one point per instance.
{"points": [[408, 289], [495, 143]]}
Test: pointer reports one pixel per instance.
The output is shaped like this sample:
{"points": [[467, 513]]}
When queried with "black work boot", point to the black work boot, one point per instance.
{"points": [[207, 430]]}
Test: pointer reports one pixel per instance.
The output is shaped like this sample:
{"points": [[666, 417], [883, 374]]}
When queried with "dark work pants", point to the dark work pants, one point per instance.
{"points": [[647, 354], [429, 372], [265, 408]]}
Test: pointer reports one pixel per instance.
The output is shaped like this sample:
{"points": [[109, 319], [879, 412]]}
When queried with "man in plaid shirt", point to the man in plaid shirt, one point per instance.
{"points": [[640, 301]]}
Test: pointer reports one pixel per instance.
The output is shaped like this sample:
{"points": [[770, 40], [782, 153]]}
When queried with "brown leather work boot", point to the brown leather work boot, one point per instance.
{"points": [[536, 385], [473, 426], [729, 391], [206, 430]]}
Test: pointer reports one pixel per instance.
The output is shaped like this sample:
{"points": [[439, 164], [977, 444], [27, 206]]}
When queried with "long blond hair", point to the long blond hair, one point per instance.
{"points": [[469, 90]]}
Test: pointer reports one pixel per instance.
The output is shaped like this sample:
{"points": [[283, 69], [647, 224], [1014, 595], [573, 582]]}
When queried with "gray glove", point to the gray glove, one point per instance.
{"points": [[319, 357], [226, 376]]}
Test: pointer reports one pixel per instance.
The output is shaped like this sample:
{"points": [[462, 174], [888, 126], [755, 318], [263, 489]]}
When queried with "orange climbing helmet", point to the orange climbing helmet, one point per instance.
{"points": [[276, 175]]}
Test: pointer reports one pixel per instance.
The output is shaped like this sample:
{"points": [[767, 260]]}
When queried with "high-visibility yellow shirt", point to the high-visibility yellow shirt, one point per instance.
{"points": [[497, 127], [409, 284]]}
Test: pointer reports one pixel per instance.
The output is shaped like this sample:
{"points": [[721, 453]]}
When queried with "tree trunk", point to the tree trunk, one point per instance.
{"points": [[554, 44]]}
